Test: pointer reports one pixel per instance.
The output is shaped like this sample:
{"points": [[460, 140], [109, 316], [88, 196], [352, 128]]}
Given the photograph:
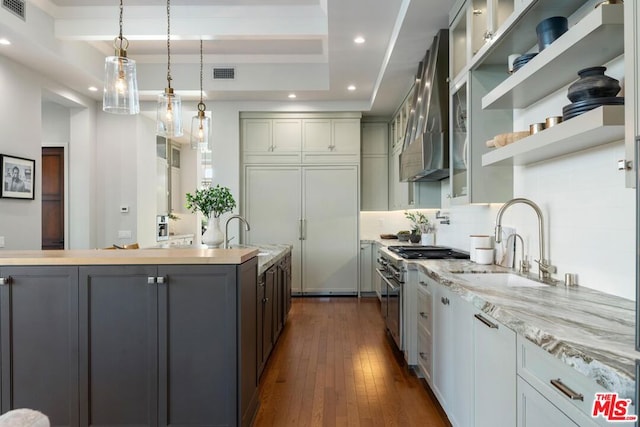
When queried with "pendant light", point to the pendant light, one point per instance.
{"points": [[120, 95], [169, 117], [201, 124]]}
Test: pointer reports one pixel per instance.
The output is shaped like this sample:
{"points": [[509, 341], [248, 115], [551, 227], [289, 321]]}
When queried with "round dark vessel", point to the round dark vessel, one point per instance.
{"points": [[593, 83], [550, 29]]}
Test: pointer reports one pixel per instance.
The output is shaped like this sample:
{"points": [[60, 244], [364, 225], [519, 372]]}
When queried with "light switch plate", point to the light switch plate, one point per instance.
{"points": [[124, 209]]}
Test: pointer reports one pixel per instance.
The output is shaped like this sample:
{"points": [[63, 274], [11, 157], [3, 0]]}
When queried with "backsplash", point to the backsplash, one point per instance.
{"points": [[589, 218]]}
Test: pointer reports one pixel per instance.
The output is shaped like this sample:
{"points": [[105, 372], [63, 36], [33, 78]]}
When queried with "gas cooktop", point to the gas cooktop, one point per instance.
{"points": [[428, 252]]}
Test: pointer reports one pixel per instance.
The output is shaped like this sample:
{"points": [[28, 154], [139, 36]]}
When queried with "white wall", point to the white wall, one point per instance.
{"points": [[20, 135]]}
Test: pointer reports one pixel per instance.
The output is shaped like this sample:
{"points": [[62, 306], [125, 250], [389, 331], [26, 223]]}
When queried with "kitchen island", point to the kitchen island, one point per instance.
{"points": [[135, 337]]}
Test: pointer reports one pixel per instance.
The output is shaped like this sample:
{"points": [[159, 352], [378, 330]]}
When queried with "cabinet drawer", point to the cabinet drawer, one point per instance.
{"points": [[424, 308], [264, 158], [321, 158], [424, 353], [572, 392], [536, 411]]}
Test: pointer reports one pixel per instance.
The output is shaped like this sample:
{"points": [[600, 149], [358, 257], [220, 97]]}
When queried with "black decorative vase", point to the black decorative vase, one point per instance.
{"points": [[593, 84], [414, 237], [550, 29]]}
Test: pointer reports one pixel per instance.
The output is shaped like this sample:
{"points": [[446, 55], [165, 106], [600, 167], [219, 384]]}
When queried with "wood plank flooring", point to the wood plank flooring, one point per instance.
{"points": [[334, 366]]}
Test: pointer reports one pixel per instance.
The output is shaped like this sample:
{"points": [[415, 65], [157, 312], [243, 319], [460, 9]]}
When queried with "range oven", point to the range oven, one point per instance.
{"points": [[392, 273]]}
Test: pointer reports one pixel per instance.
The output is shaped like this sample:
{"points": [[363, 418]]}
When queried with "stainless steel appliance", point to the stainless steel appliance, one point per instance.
{"points": [[425, 154], [428, 252], [392, 272]]}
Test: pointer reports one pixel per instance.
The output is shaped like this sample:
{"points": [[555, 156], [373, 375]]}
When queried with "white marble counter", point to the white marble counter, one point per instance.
{"points": [[268, 254], [589, 330]]}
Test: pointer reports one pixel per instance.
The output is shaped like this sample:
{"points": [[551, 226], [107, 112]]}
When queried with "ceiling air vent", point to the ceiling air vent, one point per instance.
{"points": [[17, 7], [226, 73]]}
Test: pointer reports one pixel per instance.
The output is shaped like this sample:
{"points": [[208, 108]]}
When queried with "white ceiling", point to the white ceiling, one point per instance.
{"points": [[277, 47]]}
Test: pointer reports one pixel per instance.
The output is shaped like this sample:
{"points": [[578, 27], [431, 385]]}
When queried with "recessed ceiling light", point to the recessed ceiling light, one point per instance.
{"points": [[351, 88], [359, 40], [4, 41], [93, 88], [292, 95]]}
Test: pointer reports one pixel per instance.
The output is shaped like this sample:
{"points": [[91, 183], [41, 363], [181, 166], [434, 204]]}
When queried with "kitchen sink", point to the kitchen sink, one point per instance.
{"points": [[495, 279]]}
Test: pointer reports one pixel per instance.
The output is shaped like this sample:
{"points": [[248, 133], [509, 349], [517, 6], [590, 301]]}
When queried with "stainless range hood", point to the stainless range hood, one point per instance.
{"points": [[425, 154]]}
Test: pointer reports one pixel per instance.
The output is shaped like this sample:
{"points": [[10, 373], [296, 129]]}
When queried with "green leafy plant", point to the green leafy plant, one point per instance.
{"points": [[211, 201], [419, 222]]}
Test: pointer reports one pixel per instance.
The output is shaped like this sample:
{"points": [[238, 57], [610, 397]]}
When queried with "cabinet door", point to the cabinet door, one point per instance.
{"points": [[374, 183], [398, 190], [536, 411], [197, 346], [287, 135], [494, 373], [268, 313], [118, 345], [273, 207], [260, 322], [39, 344], [257, 135], [330, 229], [366, 284], [443, 347], [345, 137], [316, 135]]}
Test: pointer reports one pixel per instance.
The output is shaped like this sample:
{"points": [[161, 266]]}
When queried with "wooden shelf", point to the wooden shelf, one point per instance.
{"points": [[596, 127], [595, 40]]}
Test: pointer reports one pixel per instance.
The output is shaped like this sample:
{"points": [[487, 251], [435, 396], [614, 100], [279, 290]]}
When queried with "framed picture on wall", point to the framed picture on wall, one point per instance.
{"points": [[18, 177]]}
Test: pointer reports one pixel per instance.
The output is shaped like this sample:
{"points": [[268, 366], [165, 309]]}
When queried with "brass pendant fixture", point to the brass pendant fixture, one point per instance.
{"points": [[201, 124], [120, 95], [169, 111]]}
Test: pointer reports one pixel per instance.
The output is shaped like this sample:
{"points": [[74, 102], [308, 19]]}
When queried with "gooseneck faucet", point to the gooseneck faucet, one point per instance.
{"points": [[226, 228], [545, 268]]}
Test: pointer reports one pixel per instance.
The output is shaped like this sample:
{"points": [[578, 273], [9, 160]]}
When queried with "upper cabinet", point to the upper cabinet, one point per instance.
{"points": [[374, 167], [632, 92], [300, 138]]}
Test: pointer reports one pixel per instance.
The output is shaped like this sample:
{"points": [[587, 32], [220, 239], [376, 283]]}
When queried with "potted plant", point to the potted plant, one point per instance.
{"points": [[421, 228], [211, 202]]}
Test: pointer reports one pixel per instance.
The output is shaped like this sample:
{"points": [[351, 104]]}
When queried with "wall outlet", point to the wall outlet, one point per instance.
{"points": [[1, 241], [124, 234]]}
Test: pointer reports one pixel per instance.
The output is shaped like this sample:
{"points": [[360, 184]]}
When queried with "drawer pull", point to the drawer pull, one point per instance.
{"points": [[566, 390], [424, 315], [444, 300], [424, 283], [422, 355], [485, 321], [151, 280], [5, 280]]}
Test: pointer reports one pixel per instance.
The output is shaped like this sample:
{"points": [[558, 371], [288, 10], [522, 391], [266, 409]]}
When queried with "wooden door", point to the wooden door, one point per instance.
{"points": [[52, 198]]}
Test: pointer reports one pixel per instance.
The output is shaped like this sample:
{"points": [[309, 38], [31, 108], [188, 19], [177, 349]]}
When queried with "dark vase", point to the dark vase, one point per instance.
{"points": [[593, 84], [414, 237], [550, 29]]}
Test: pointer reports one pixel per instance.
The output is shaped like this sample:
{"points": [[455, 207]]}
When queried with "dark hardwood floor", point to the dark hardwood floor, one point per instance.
{"points": [[334, 366]]}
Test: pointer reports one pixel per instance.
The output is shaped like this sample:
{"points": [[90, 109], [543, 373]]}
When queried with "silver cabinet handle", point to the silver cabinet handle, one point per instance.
{"points": [[566, 390], [486, 321], [151, 280], [422, 355], [304, 229], [5, 280], [444, 300], [160, 279], [300, 237], [424, 283], [424, 315]]}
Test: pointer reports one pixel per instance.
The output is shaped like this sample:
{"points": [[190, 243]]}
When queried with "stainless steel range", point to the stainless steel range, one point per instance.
{"points": [[392, 272]]}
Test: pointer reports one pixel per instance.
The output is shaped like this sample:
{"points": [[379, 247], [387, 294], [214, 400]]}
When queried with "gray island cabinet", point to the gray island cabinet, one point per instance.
{"points": [[131, 339]]}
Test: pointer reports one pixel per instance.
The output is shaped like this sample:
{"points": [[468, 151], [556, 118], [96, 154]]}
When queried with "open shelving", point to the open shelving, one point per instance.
{"points": [[595, 127], [594, 40]]}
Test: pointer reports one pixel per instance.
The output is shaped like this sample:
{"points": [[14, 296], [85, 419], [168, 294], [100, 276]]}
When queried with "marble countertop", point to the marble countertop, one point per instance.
{"points": [[589, 330], [268, 254]]}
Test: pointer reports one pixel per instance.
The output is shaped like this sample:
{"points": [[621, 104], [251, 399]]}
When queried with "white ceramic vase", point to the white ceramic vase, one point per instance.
{"points": [[428, 239], [213, 237]]}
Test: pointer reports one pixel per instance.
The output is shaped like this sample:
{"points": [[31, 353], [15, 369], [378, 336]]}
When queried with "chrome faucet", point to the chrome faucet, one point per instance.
{"points": [[226, 228], [545, 268]]}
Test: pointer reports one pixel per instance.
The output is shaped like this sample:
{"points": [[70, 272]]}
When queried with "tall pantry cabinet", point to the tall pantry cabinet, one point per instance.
{"points": [[301, 187]]}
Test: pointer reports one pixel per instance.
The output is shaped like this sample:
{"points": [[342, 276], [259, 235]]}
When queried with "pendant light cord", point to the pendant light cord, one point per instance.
{"points": [[120, 36], [201, 95], [168, 43]]}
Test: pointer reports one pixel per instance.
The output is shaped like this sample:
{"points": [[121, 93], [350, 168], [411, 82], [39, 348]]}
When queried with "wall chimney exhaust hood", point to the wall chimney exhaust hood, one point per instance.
{"points": [[425, 153]]}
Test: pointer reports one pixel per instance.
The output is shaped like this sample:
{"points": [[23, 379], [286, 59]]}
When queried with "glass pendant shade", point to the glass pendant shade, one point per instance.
{"points": [[169, 117], [201, 132], [120, 94]]}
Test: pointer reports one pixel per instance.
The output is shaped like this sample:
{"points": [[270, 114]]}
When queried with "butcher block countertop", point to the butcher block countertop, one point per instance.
{"points": [[128, 256]]}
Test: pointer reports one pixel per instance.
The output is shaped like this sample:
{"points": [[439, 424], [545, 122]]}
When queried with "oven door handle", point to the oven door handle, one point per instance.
{"points": [[387, 280]]}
